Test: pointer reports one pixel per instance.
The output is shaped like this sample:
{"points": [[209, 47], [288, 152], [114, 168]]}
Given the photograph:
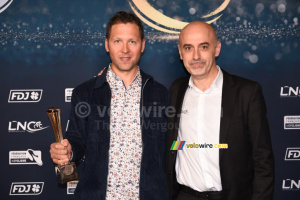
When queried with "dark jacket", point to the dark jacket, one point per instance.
{"points": [[247, 166], [89, 136]]}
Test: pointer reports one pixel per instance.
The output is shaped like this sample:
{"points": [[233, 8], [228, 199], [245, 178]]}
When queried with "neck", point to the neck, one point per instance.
{"points": [[204, 83], [126, 76]]}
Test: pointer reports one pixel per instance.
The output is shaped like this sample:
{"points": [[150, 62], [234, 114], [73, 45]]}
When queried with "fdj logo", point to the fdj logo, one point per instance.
{"points": [[26, 188], [30, 127], [292, 153], [25, 96], [289, 184]]}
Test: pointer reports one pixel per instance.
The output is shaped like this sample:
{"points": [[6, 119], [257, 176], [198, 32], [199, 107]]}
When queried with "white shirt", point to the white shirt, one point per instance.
{"points": [[198, 168]]}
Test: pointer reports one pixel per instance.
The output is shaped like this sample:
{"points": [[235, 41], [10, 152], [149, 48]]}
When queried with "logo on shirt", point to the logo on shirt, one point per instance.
{"points": [[292, 153], [292, 122], [184, 111], [29, 157]]}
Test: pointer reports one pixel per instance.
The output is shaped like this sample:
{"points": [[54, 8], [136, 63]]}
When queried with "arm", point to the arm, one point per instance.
{"points": [[76, 134], [262, 154]]}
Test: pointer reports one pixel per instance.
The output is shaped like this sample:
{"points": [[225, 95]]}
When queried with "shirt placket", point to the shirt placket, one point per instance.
{"points": [[207, 179]]}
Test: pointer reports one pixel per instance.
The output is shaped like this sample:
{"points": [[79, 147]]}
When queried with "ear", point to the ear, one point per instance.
{"points": [[179, 50], [106, 45], [143, 46], [218, 49]]}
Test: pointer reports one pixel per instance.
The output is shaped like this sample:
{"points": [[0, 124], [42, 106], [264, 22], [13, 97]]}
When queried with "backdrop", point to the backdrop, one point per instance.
{"points": [[47, 47]]}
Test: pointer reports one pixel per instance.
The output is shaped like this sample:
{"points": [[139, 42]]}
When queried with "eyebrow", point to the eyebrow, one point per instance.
{"points": [[203, 43]]}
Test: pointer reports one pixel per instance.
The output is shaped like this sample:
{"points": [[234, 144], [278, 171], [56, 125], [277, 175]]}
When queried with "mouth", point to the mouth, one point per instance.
{"points": [[125, 59], [197, 64]]}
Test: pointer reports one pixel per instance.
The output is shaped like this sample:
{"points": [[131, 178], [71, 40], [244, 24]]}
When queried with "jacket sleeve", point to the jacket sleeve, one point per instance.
{"points": [[262, 154], [76, 130]]}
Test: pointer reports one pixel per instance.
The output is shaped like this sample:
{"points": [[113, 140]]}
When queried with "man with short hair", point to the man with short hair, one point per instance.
{"points": [[122, 146], [214, 107]]}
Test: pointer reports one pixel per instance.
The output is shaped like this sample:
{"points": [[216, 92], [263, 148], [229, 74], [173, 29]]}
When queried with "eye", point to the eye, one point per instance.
{"points": [[187, 48], [117, 41], [132, 42], [204, 47]]}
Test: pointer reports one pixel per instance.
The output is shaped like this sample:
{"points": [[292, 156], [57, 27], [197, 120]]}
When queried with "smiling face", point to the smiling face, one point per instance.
{"points": [[198, 47], [125, 47]]}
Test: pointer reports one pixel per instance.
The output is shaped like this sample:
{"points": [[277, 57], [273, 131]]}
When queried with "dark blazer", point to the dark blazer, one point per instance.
{"points": [[247, 166]]}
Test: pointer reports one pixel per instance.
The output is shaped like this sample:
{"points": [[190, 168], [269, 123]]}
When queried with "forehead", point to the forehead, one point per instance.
{"points": [[197, 34], [128, 29]]}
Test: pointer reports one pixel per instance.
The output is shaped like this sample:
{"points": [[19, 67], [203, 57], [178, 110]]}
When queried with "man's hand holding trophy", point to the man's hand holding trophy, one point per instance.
{"points": [[61, 150]]}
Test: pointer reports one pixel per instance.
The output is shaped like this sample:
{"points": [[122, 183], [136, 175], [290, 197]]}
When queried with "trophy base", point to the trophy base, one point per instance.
{"points": [[66, 173]]}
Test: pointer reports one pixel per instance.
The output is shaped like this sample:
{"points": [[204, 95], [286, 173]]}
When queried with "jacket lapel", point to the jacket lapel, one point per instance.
{"points": [[228, 100], [179, 102]]}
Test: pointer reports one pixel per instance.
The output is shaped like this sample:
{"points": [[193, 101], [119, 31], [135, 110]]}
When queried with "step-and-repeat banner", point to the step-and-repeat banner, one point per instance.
{"points": [[48, 47]]}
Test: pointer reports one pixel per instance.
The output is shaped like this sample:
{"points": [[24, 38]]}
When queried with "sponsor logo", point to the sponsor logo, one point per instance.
{"points": [[287, 91], [289, 184], [292, 153], [25, 96], [71, 186], [68, 94], [4, 4], [292, 122], [26, 188], [177, 145], [29, 157], [31, 126]]}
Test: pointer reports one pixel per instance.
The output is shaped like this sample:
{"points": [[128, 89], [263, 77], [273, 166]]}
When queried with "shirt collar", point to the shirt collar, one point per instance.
{"points": [[113, 79], [216, 85]]}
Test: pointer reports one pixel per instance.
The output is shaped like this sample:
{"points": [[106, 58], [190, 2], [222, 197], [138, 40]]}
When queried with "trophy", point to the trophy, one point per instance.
{"points": [[66, 172]]}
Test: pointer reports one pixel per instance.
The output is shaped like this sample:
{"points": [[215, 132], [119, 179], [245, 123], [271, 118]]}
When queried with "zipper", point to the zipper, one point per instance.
{"points": [[142, 118], [142, 101]]}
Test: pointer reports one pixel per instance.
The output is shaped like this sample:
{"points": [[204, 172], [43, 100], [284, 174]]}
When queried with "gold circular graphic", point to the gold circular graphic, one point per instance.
{"points": [[170, 25]]}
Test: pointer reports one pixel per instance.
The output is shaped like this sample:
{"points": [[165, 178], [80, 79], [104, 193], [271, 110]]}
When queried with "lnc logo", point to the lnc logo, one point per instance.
{"points": [[31, 127], [4, 4], [289, 184], [287, 91]]}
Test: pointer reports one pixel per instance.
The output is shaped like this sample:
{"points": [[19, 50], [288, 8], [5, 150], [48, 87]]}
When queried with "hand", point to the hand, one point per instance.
{"points": [[99, 74], [61, 152]]}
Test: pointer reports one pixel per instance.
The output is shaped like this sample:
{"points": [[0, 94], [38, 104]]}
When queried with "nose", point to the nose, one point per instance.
{"points": [[196, 55], [125, 48]]}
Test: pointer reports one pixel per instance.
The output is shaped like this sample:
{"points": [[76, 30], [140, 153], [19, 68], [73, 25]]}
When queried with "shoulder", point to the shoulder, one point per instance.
{"points": [[246, 88], [241, 82], [180, 81], [151, 84], [84, 91], [85, 86]]}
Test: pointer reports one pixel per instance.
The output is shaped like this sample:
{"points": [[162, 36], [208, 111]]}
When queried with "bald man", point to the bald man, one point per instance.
{"points": [[227, 152]]}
